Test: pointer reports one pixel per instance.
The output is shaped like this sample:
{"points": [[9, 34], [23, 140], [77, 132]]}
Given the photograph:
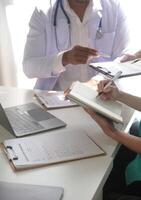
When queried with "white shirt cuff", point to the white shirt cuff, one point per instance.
{"points": [[57, 65]]}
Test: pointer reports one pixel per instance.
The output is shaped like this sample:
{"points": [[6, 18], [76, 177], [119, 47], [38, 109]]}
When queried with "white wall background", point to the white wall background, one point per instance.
{"points": [[133, 10], [18, 18], [19, 14]]}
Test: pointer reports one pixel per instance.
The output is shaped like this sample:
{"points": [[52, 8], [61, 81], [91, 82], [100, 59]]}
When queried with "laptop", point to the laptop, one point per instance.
{"points": [[17, 191], [28, 119]]}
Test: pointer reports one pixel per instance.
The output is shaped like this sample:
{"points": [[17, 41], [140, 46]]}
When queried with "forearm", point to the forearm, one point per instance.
{"points": [[130, 100], [36, 67], [42, 67], [130, 141]]}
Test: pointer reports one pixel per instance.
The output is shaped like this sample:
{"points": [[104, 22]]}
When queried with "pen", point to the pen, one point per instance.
{"points": [[117, 75], [134, 61]]}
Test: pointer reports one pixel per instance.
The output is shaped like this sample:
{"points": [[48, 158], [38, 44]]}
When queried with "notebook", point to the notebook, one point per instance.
{"points": [[17, 191], [86, 96], [130, 68], [53, 99], [51, 148], [28, 119]]}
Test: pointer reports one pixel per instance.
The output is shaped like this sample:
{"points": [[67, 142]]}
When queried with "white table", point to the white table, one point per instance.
{"points": [[81, 180]]}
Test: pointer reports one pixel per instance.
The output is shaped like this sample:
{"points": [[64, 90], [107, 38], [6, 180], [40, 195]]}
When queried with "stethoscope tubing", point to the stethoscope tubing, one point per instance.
{"points": [[60, 3]]}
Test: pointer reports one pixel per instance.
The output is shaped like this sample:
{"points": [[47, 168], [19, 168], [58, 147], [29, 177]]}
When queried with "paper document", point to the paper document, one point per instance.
{"points": [[130, 68], [50, 148], [87, 96]]}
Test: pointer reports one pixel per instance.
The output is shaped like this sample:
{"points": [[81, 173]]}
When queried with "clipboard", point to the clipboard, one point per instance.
{"points": [[109, 69], [51, 148]]}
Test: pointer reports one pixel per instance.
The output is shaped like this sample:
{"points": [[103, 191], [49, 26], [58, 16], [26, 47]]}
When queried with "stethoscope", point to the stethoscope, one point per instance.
{"points": [[99, 33]]}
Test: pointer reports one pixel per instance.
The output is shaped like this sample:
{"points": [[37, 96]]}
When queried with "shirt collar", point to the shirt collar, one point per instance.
{"points": [[96, 4]]}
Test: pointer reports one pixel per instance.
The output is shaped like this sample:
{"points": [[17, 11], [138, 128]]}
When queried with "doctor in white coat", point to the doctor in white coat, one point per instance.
{"points": [[61, 43]]}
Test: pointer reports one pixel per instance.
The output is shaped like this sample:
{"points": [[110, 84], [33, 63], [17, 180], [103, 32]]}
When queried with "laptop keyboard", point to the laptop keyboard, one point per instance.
{"points": [[22, 122]]}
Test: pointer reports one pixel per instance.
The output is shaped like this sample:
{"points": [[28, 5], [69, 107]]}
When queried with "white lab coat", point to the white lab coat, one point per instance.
{"points": [[41, 57]]}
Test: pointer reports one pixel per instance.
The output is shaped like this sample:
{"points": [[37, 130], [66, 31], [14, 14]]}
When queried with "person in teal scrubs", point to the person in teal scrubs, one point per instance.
{"points": [[124, 182]]}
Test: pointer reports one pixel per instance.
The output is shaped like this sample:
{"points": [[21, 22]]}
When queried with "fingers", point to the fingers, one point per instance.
{"points": [[91, 113], [109, 92], [80, 59], [88, 110], [66, 92], [80, 55], [102, 84], [127, 57], [86, 51]]}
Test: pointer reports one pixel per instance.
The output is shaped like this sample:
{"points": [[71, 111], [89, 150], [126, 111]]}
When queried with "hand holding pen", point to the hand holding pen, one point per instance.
{"points": [[107, 88]]}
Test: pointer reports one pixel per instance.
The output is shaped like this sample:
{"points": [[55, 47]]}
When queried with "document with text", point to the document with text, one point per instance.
{"points": [[130, 68], [45, 149]]}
